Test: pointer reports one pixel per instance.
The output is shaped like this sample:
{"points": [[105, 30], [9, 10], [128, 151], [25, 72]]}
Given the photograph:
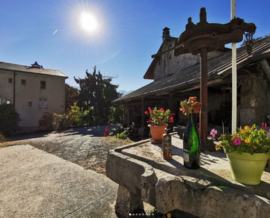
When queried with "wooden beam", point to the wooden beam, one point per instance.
{"points": [[198, 86]]}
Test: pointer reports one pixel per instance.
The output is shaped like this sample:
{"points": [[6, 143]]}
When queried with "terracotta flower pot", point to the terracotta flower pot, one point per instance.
{"points": [[157, 131], [247, 168]]}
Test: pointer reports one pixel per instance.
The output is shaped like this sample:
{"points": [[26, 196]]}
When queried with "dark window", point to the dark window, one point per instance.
{"points": [[23, 82], [42, 84], [9, 80]]}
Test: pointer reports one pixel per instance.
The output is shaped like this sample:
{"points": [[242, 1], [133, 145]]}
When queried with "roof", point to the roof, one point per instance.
{"points": [[217, 66], [28, 69]]}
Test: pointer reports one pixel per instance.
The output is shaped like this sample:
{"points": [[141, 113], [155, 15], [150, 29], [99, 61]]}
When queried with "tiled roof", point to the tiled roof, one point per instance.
{"points": [[216, 67], [28, 69]]}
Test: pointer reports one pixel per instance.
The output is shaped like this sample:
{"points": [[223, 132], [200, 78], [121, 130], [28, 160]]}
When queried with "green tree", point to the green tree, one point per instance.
{"points": [[97, 92], [116, 113], [71, 96], [9, 119]]}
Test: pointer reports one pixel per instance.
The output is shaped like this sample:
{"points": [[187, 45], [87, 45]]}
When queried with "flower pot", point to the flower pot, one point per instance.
{"points": [[157, 131], [247, 168]]}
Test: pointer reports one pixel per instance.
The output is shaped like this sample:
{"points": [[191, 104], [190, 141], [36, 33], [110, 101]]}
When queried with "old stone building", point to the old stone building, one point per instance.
{"points": [[175, 78], [33, 90]]}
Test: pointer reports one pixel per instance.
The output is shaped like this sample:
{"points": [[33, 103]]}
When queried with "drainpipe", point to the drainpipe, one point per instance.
{"points": [[234, 76], [14, 83]]}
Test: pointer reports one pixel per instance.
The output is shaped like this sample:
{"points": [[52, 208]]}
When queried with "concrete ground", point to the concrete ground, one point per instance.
{"points": [[35, 183], [50, 175]]}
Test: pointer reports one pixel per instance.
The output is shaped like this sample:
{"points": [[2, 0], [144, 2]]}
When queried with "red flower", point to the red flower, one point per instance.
{"points": [[173, 114], [161, 109], [149, 121], [145, 112], [171, 119], [109, 122]]}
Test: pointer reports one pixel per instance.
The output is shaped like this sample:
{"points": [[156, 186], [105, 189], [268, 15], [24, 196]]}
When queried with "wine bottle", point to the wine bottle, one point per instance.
{"points": [[191, 146], [167, 145]]}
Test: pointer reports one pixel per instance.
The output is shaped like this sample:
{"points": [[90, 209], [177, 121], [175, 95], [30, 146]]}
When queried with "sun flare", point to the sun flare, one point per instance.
{"points": [[88, 22]]}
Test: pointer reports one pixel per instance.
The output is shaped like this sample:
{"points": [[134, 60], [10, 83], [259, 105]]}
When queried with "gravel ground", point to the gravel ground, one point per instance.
{"points": [[85, 146]]}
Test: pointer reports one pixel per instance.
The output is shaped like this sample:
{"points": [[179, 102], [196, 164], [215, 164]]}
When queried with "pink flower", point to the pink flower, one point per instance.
{"points": [[213, 132], [149, 121], [145, 112], [237, 141], [161, 109]]}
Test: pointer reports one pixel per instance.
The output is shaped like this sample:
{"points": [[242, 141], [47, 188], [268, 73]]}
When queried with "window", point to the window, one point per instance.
{"points": [[42, 85], [9, 80], [23, 82]]}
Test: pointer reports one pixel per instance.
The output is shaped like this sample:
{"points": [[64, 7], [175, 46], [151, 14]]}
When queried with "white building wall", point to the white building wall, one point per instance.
{"points": [[27, 97]]}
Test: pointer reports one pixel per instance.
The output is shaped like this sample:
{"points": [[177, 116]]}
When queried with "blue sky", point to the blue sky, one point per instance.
{"points": [[129, 32]]}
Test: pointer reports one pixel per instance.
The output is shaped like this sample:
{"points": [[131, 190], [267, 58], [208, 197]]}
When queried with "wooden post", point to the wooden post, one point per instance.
{"points": [[128, 114], [143, 119], [234, 76]]}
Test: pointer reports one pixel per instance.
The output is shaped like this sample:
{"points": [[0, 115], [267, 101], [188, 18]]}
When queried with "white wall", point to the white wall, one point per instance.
{"points": [[31, 94]]}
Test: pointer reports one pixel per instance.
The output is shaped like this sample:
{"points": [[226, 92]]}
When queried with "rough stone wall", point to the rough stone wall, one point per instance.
{"points": [[255, 104], [170, 64]]}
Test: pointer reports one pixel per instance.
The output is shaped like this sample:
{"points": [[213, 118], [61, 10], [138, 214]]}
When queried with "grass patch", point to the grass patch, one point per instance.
{"points": [[6, 144]]}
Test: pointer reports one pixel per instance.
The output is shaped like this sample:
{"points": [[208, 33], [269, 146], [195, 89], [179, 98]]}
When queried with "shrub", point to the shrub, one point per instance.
{"points": [[122, 135], [60, 121], [2, 138], [76, 116], [9, 118]]}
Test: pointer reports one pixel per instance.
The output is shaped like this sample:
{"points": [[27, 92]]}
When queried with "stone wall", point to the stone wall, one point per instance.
{"points": [[170, 64], [255, 101]]}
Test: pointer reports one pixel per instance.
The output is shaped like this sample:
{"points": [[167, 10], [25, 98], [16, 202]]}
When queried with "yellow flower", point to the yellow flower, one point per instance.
{"points": [[168, 215], [246, 141], [243, 131], [247, 128]]}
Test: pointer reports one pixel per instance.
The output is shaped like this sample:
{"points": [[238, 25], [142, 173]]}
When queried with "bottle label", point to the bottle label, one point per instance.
{"points": [[168, 148], [167, 141], [186, 156]]}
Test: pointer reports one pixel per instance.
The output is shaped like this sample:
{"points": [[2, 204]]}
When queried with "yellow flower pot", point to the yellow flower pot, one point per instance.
{"points": [[247, 168]]}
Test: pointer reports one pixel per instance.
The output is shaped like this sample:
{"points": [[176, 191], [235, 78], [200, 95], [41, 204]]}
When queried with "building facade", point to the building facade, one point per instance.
{"points": [[33, 91], [175, 78]]}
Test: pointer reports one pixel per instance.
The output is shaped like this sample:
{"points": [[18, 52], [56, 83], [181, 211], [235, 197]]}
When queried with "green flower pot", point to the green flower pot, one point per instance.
{"points": [[247, 168]]}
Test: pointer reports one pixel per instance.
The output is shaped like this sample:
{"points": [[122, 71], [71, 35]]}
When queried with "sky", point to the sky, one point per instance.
{"points": [[127, 33]]}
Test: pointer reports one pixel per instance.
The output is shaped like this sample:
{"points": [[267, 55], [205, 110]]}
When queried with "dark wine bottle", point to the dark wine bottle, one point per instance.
{"points": [[191, 146]]}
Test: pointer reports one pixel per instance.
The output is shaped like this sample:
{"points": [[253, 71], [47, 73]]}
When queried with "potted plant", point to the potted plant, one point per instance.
{"points": [[158, 122], [247, 151], [191, 142]]}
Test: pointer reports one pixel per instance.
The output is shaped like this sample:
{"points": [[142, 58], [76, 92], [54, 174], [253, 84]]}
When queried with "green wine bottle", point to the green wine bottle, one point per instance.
{"points": [[191, 146]]}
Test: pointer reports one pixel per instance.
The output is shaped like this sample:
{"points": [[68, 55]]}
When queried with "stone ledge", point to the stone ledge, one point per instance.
{"points": [[168, 185]]}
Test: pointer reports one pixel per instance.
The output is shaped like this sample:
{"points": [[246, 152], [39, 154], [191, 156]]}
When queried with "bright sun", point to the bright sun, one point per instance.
{"points": [[88, 22]]}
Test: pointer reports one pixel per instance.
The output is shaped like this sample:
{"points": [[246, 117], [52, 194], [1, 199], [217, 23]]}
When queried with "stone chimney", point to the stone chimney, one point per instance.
{"points": [[166, 33]]}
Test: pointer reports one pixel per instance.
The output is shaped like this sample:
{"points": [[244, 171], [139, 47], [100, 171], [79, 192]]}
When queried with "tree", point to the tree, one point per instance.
{"points": [[71, 96], [9, 119], [97, 92]]}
